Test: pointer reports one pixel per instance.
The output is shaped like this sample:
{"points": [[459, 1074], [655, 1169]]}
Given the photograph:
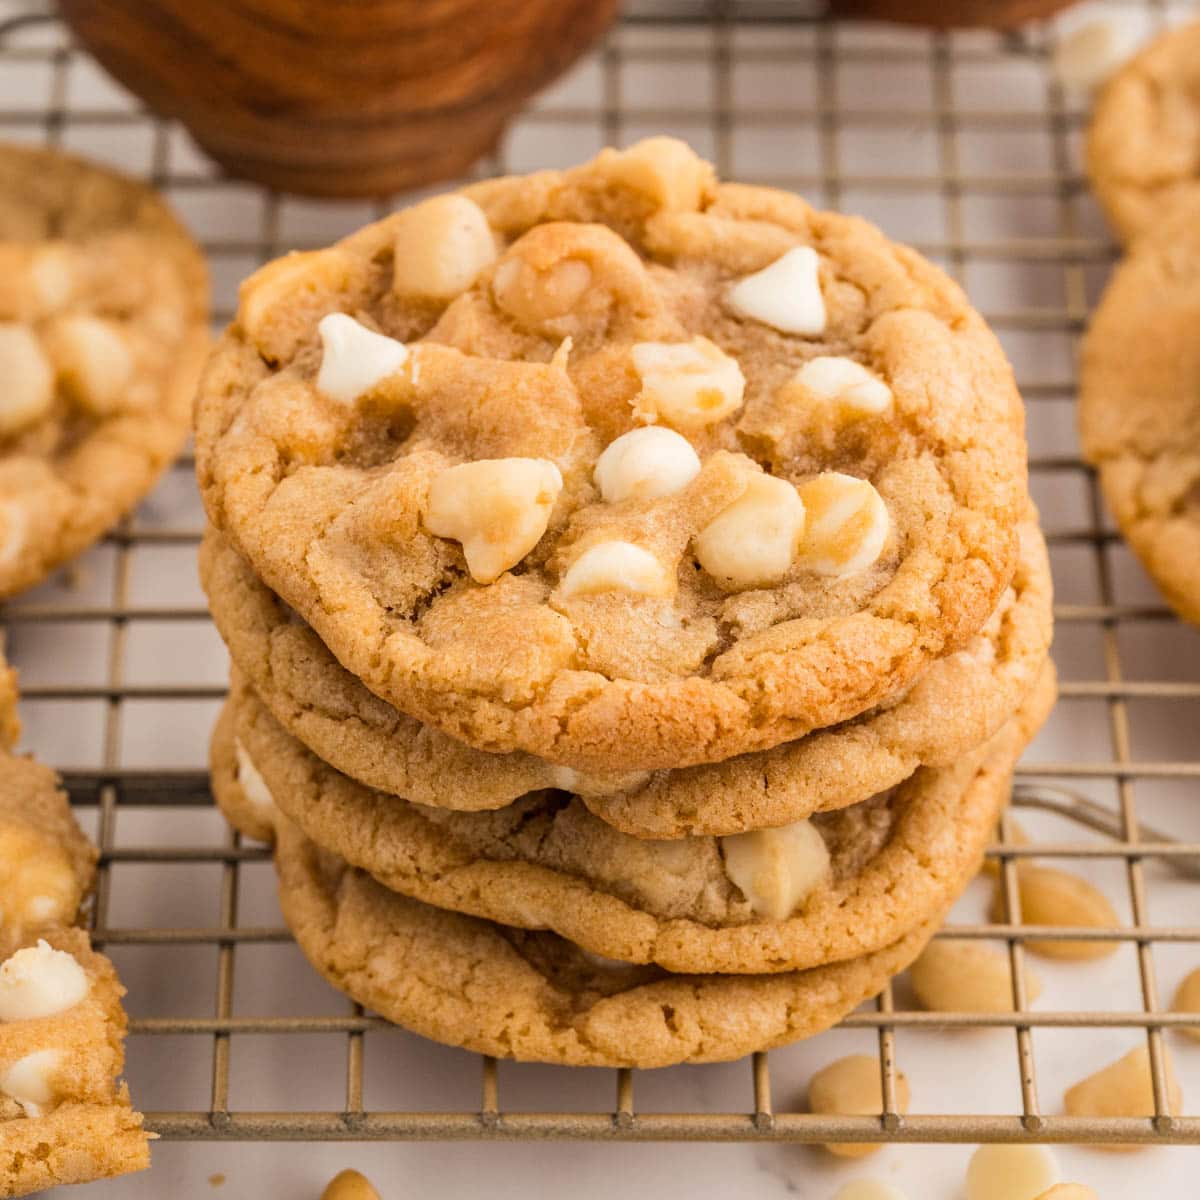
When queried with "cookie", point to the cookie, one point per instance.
{"points": [[957, 704], [846, 884], [103, 331], [10, 722], [1143, 144], [620, 467], [64, 1118], [535, 997], [1139, 405]]}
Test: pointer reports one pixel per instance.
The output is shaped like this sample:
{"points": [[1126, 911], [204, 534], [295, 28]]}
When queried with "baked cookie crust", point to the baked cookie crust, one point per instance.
{"points": [[103, 332], [333, 501], [1143, 144], [1139, 405], [546, 862]]}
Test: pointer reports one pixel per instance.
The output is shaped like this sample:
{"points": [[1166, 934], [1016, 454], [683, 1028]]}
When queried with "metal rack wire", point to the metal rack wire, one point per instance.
{"points": [[717, 43]]}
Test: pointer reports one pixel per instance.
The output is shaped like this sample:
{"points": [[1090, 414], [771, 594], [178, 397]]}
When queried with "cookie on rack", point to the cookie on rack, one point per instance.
{"points": [[962, 700], [1139, 405], [64, 1115], [621, 467], [1142, 155], [845, 884], [103, 331]]}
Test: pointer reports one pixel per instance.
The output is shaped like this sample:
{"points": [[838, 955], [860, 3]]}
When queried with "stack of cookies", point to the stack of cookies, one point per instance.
{"points": [[635, 603]]}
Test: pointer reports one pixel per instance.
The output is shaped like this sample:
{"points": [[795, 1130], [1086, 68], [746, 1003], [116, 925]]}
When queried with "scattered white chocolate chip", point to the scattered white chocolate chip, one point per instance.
{"points": [[777, 869], [851, 1087], [40, 981], [1010, 1172], [957, 975], [616, 567], [27, 1081], [1085, 57], [754, 541], [498, 508], [785, 295], [349, 1185], [847, 525], [867, 1188], [28, 378], [93, 361], [1123, 1089], [1067, 1191], [441, 246], [645, 464], [254, 786], [1050, 896], [1187, 1000], [686, 384], [844, 383], [355, 359]]}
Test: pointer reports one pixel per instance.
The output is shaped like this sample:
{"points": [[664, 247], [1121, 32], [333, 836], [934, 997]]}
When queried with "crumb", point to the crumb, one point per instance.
{"points": [[216, 1180]]}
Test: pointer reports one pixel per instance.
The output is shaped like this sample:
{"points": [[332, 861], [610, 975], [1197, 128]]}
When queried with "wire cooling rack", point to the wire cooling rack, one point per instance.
{"points": [[961, 144]]}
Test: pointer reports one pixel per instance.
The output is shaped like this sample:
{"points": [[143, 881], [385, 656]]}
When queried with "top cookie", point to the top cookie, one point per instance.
{"points": [[1139, 405], [1143, 146], [645, 470], [103, 329]]}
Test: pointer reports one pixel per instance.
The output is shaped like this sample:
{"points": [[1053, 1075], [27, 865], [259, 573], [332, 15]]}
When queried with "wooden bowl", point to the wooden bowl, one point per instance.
{"points": [[948, 14], [339, 97]]}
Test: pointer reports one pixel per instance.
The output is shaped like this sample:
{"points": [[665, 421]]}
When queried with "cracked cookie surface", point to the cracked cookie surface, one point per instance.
{"points": [[571, 609], [1143, 144], [881, 867], [957, 704], [1139, 405], [103, 331]]}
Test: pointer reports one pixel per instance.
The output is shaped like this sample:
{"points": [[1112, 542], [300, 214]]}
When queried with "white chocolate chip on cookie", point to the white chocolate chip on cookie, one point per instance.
{"points": [[441, 246], [754, 541], [540, 299], [616, 567], [686, 384], [497, 508], [254, 786], [1019, 1172], [645, 464], [28, 1081], [1086, 56], [37, 883], [847, 525], [52, 275], [777, 869], [93, 361], [844, 384], [355, 359], [40, 981], [14, 528], [785, 295], [28, 388]]}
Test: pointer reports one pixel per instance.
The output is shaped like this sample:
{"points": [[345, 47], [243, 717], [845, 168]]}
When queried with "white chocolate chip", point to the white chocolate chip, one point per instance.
{"points": [[53, 277], [867, 1188], [564, 778], [14, 530], [40, 981], [1124, 1088], [616, 567], [1050, 896], [539, 300], [687, 385], [254, 786], [27, 1081], [852, 1087], [601, 963], [441, 246], [355, 359], [1084, 58], [28, 387], [785, 295], [498, 508], [958, 975], [1067, 1191], [847, 525], [1187, 1000], [349, 1185], [645, 464], [845, 383], [777, 869], [1010, 1172], [93, 361], [754, 541]]}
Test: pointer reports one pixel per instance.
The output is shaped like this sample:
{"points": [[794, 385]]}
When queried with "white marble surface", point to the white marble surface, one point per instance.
{"points": [[963, 1072]]}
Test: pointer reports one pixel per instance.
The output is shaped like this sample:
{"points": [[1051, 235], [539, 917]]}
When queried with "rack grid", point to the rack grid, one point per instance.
{"points": [[725, 44]]}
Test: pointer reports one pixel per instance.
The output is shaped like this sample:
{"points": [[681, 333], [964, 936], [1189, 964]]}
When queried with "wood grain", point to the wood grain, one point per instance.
{"points": [[949, 14], [339, 97]]}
